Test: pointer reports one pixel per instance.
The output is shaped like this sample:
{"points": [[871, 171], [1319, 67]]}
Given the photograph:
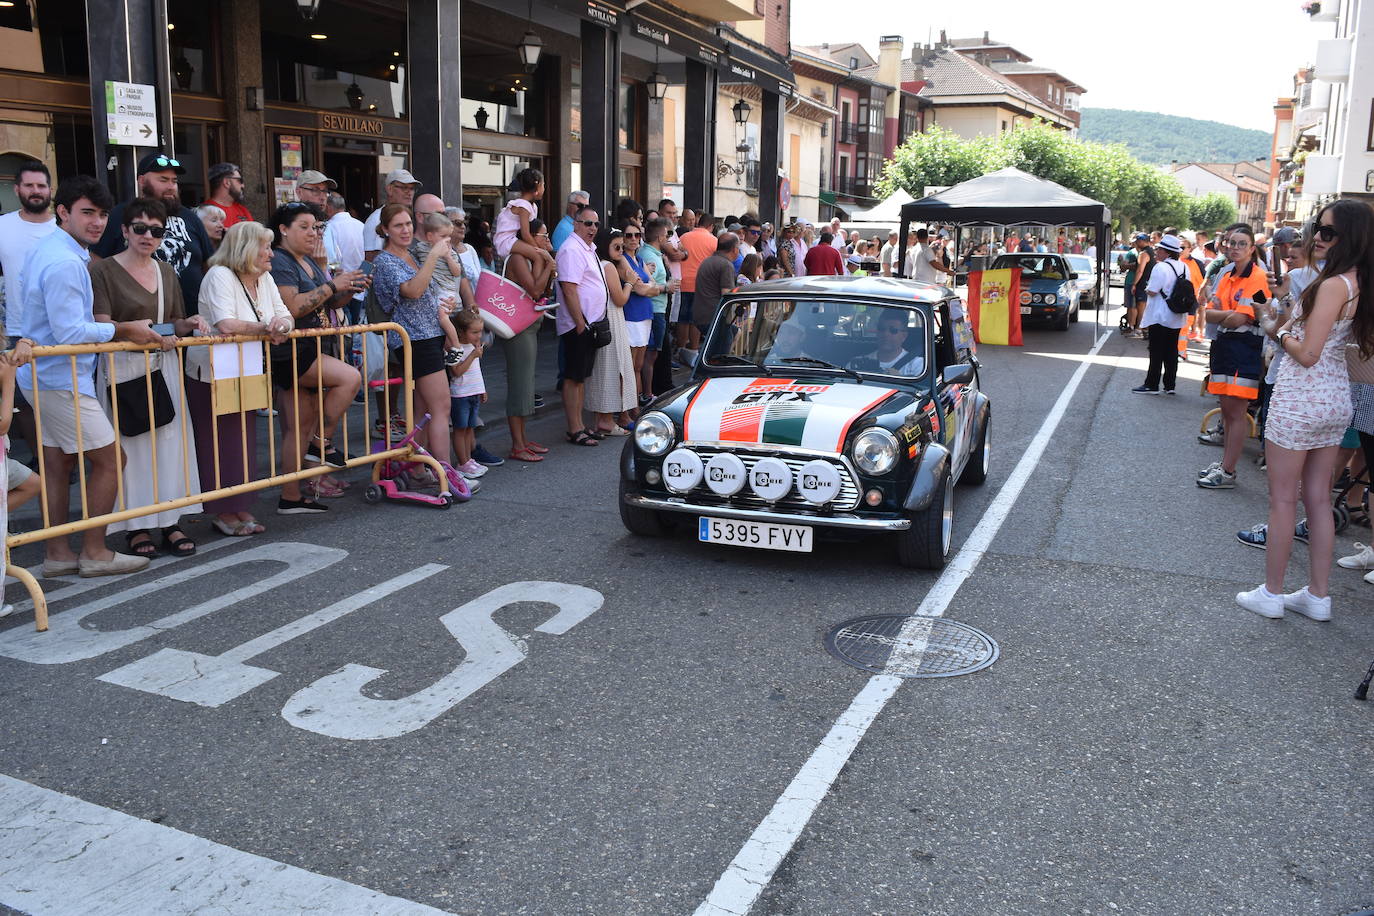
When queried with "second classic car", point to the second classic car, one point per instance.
{"points": [[820, 405], [1048, 287]]}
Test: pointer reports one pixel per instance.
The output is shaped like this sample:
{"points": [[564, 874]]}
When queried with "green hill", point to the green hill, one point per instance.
{"points": [[1159, 139]]}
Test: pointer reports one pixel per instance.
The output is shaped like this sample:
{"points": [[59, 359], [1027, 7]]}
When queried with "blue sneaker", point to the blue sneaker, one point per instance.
{"points": [[1254, 537], [482, 456], [1300, 532]]}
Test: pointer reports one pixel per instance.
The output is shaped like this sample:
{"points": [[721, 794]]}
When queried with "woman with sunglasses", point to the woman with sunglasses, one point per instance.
{"points": [[1236, 362], [611, 388], [133, 286], [1311, 406], [639, 310]]}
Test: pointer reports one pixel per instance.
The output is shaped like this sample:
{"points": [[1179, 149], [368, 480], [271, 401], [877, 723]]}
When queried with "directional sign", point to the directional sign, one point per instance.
{"points": [[131, 113]]}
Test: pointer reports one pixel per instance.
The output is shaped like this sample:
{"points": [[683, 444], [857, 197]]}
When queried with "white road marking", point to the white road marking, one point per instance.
{"points": [[336, 706], [213, 680], [66, 857], [748, 874], [68, 641]]}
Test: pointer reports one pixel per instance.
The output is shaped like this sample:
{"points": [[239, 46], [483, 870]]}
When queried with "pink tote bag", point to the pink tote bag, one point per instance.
{"points": [[506, 309]]}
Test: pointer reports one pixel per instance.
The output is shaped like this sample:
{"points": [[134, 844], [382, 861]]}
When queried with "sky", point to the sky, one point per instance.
{"points": [[1154, 63]]}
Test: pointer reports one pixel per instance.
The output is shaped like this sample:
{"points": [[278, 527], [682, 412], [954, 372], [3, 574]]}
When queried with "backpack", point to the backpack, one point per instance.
{"points": [[1182, 299]]}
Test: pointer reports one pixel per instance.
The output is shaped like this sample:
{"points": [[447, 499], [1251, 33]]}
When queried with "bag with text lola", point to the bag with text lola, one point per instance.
{"points": [[506, 308]]}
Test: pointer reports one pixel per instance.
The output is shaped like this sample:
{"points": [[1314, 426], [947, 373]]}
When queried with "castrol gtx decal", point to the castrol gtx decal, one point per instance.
{"points": [[778, 411]]}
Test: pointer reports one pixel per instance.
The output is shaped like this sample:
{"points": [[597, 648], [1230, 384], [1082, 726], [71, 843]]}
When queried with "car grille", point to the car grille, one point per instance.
{"points": [[847, 499]]}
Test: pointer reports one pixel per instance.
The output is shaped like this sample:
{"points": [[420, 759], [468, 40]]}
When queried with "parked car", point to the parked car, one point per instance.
{"points": [[821, 406], [1086, 268], [1048, 287]]}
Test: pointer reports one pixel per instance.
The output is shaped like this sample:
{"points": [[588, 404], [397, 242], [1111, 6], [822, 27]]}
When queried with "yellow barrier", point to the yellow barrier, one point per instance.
{"points": [[241, 397]]}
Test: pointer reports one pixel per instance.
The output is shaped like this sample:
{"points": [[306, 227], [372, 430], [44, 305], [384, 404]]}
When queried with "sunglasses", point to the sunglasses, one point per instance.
{"points": [[1327, 233], [634, 235], [590, 222], [156, 232], [166, 161]]}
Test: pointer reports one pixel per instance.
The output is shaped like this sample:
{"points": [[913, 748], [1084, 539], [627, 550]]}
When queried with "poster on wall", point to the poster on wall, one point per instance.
{"points": [[284, 190], [290, 156]]}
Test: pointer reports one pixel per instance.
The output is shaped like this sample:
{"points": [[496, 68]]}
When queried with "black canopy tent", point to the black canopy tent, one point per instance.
{"points": [[1011, 197]]}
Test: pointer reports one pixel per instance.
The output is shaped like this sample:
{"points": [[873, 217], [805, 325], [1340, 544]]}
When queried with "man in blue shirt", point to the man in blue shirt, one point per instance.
{"points": [[576, 201], [58, 311]]}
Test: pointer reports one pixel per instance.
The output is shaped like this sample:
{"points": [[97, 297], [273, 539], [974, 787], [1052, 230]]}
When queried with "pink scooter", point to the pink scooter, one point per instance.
{"points": [[395, 478]]}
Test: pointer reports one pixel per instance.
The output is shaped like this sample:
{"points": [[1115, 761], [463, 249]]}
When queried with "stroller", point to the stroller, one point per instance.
{"points": [[401, 480]]}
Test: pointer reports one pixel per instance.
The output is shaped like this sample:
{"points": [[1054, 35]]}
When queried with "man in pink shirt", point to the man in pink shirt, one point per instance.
{"points": [[582, 289]]}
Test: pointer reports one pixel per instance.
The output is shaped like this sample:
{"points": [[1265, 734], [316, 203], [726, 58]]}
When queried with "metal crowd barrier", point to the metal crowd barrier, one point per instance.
{"points": [[239, 395]]}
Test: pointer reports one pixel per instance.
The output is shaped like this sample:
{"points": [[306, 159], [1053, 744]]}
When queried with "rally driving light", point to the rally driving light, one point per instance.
{"points": [[725, 474], [1050, 299], [818, 482], [875, 451], [682, 470], [770, 479], [654, 433]]}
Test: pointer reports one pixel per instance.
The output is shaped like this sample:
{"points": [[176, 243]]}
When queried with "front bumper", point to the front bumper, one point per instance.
{"points": [[839, 520]]}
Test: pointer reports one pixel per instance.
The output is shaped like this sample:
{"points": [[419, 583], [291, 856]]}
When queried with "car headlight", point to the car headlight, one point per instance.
{"points": [[654, 433], [1050, 299], [875, 451], [1037, 298]]}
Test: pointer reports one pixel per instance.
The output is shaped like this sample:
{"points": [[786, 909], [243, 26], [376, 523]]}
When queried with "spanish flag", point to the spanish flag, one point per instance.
{"points": [[994, 310]]}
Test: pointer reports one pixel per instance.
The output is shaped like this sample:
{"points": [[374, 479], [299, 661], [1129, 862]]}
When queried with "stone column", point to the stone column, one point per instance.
{"points": [[770, 156], [125, 41], [699, 138], [434, 78], [245, 142], [600, 115]]}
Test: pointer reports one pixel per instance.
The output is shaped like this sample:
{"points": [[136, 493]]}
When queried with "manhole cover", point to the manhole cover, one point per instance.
{"points": [[910, 646]]}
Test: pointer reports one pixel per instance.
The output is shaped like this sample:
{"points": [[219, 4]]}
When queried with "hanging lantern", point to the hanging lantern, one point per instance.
{"points": [[742, 110], [658, 86], [530, 47]]}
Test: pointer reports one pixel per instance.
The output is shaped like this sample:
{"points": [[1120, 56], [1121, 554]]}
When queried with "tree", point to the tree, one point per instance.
{"points": [[1212, 211], [935, 157]]}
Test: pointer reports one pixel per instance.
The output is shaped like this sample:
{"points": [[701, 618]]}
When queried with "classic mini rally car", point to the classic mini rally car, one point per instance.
{"points": [[820, 405], [1049, 287]]}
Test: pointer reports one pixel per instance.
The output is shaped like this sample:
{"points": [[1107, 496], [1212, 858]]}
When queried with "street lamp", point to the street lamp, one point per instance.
{"points": [[742, 109], [529, 48], [307, 8], [658, 86]]}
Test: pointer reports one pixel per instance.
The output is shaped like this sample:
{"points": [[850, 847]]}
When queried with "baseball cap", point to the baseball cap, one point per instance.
{"points": [[310, 176], [159, 162], [1140, 237], [400, 176], [1285, 236], [1171, 243]]}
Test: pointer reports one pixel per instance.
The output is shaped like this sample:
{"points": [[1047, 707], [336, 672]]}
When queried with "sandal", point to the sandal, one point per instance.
{"points": [[535, 447], [583, 437], [251, 526], [524, 454], [595, 433], [613, 432], [144, 548], [180, 547], [235, 530]]}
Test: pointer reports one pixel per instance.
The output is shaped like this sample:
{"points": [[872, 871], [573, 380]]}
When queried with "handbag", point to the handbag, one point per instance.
{"points": [[138, 413], [505, 306], [600, 329]]}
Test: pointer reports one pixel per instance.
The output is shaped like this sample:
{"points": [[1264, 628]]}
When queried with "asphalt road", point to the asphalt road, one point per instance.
{"points": [[605, 742]]}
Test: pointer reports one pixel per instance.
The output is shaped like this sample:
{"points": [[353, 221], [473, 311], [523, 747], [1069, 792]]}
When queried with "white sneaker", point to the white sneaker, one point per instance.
{"points": [[1214, 466], [1217, 479], [1308, 605], [1369, 577], [1261, 601], [472, 469], [1362, 560], [6, 610]]}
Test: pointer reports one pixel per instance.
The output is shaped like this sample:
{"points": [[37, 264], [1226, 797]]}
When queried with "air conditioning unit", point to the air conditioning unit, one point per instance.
{"points": [[1333, 59]]}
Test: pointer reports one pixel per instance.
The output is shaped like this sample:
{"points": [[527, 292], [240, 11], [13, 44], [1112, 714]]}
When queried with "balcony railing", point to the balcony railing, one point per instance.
{"points": [[853, 187], [849, 133]]}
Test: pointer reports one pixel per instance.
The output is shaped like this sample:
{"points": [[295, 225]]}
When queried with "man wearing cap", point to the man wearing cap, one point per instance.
{"points": [[226, 192], [185, 245], [576, 201], [400, 189], [313, 188], [1161, 322]]}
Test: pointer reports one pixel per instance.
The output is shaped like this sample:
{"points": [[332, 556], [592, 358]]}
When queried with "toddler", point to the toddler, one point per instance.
{"points": [[446, 281], [467, 393]]}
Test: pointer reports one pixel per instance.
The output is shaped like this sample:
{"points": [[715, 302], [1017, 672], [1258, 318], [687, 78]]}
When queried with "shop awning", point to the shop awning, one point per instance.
{"points": [[741, 65], [672, 32]]}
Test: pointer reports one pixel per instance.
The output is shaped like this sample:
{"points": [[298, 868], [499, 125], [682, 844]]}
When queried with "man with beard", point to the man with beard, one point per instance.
{"points": [[185, 245], [226, 192], [21, 230]]}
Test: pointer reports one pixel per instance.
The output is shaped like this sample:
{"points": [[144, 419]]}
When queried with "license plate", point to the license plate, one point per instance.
{"points": [[1025, 310], [763, 535]]}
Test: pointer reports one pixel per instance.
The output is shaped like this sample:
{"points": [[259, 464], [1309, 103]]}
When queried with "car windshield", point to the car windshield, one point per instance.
{"points": [[788, 335], [1080, 264], [1033, 266]]}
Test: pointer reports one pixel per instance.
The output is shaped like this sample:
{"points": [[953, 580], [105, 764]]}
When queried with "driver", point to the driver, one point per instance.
{"points": [[789, 341], [891, 357]]}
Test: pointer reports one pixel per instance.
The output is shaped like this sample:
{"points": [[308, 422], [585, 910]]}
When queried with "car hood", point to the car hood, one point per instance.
{"points": [[1043, 286], [805, 413]]}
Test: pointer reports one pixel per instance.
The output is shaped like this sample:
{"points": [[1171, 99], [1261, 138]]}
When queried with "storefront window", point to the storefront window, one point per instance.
{"points": [[499, 96], [64, 142], [485, 181], [629, 132], [45, 36], [575, 108], [357, 65], [191, 26]]}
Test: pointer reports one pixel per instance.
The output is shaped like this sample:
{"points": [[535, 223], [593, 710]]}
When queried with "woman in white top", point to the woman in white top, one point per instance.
{"points": [[237, 296], [1160, 322]]}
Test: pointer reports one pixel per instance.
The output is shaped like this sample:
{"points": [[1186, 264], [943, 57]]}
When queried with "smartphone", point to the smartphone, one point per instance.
{"points": [[166, 329], [366, 268]]}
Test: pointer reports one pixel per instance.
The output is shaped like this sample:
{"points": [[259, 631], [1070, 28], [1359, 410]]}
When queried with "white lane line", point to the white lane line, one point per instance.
{"points": [[70, 857], [748, 874]]}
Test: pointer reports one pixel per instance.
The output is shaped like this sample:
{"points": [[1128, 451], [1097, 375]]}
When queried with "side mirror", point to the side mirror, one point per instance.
{"points": [[958, 374], [1073, 276]]}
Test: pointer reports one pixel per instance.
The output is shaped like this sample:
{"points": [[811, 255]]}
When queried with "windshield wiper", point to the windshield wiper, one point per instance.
{"points": [[737, 360], [812, 361]]}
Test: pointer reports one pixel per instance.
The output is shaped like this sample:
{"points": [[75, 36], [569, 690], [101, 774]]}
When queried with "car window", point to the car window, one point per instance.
{"points": [[1032, 266], [828, 334], [1080, 265]]}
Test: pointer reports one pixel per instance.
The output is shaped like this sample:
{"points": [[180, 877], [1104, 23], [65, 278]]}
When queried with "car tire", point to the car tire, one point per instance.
{"points": [[980, 459], [643, 522], [1073, 316], [927, 543]]}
